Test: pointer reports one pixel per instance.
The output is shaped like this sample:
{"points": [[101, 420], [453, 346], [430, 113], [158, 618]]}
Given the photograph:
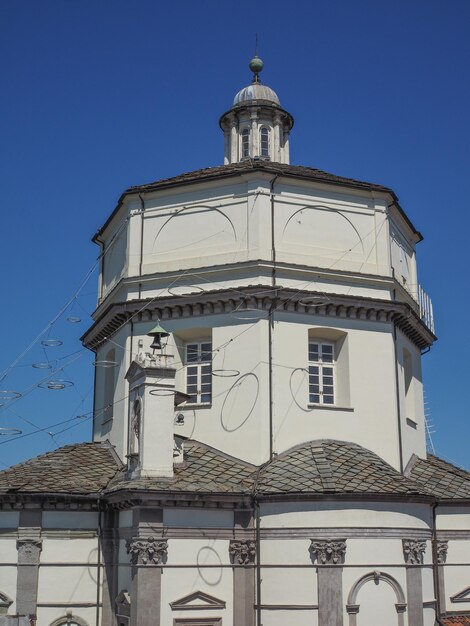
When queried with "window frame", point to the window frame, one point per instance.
{"points": [[265, 130], [245, 143], [321, 366], [199, 368]]}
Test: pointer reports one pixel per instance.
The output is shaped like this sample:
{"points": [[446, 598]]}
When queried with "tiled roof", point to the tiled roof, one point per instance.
{"points": [[295, 171], [316, 468], [83, 468], [319, 467], [204, 470], [442, 479], [333, 467], [456, 620]]}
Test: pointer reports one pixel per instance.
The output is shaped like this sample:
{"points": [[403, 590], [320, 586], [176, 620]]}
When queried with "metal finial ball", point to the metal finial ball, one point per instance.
{"points": [[256, 64]]}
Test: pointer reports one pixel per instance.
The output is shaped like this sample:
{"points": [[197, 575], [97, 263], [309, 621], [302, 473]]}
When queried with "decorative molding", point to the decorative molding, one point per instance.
{"points": [[461, 596], [413, 551], [262, 298], [197, 600], [328, 551], [28, 551], [441, 551], [242, 552], [147, 550]]}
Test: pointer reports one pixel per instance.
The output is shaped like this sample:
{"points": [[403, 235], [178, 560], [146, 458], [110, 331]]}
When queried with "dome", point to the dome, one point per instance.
{"points": [[256, 91]]}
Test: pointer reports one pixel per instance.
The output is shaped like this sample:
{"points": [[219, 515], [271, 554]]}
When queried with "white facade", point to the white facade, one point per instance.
{"points": [[292, 365]]}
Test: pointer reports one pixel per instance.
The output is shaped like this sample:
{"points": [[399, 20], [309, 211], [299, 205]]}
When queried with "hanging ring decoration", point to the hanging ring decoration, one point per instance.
{"points": [[105, 363], [172, 290], [56, 384], [73, 319], [9, 432], [226, 373], [8, 394], [51, 343], [162, 392], [314, 301], [42, 365], [250, 314]]}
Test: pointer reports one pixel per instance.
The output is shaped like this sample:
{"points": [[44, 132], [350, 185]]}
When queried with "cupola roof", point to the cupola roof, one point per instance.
{"points": [[256, 91]]}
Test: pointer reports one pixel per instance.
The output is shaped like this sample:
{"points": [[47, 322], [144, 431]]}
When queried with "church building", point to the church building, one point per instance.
{"points": [[259, 444]]}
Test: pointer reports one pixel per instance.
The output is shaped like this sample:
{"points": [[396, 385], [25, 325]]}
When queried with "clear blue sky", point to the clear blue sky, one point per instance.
{"points": [[99, 95]]}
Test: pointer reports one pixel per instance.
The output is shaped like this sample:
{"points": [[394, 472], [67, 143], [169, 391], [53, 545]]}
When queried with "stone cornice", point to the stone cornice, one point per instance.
{"points": [[262, 298]]}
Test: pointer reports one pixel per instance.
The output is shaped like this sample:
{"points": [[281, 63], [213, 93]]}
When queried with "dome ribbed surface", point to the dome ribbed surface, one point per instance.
{"points": [[256, 91]]}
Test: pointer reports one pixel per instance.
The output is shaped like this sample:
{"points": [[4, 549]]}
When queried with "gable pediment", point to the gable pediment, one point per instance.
{"points": [[197, 600], [461, 596]]}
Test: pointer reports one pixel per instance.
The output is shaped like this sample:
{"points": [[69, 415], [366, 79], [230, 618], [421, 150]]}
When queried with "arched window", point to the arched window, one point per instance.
{"points": [[264, 142], [69, 620], [246, 142]]}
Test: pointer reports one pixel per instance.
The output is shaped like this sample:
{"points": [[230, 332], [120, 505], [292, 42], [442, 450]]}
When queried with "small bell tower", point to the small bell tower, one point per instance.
{"points": [[256, 126]]}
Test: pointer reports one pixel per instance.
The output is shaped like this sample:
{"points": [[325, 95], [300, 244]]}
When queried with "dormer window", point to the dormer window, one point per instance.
{"points": [[264, 142], [245, 143]]}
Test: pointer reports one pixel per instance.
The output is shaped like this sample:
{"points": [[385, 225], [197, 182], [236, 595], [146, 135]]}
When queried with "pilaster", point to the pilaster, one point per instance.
{"points": [[330, 555], [413, 552], [29, 546], [243, 556]]}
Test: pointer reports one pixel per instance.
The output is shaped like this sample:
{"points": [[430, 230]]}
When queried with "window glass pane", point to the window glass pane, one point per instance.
{"points": [[313, 369], [314, 398], [313, 352], [192, 352], [264, 137], [328, 400], [206, 351], [327, 354]]}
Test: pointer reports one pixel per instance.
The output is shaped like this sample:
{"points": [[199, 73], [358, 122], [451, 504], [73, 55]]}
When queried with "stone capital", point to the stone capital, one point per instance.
{"points": [[441, 551], [328, 551], [29, 550], [242, 552], [147, 550], [413, 551]]}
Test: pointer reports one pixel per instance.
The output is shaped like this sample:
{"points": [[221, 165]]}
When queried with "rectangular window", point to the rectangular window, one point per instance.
{"points": [[199, 372], [321, 373]]}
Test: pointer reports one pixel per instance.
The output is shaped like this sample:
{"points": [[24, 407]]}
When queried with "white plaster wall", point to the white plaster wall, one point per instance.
{"points": [[71, 584], [453, 518], [373, 421], [284, 618], [341, 515], [124, 569], [68, 550], [288, 585]]}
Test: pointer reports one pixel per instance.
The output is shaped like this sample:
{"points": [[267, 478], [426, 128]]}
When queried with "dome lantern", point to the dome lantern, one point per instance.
{"points": [[256, 126]]}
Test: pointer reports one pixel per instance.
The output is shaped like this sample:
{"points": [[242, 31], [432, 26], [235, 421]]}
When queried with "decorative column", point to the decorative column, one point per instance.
{"points": [[243, 556], [233, 139], [330, 555], [276, 149], [254, 139], [440, 548], [29, 550], [147, 555], [413, 551]]}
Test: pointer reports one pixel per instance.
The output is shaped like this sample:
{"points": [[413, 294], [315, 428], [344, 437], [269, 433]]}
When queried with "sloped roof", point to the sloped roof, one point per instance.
{"points": [[204, 470], [316, 468], [456, 620], [284, 169], [442, 479], [333, 467], [83, 468]]}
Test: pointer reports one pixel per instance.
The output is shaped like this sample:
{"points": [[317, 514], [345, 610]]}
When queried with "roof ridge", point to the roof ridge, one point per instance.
{"points": [[323, 466]]}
